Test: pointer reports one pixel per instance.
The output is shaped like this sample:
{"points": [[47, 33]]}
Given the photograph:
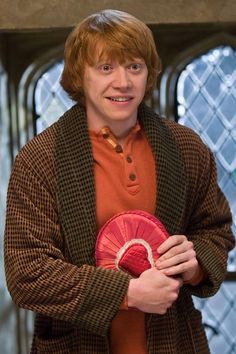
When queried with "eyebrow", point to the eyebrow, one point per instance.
{"points": [[107, 60]]}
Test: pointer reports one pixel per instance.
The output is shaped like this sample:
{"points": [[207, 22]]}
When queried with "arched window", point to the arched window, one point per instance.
{"points": [[41, 98], [199, 91]]}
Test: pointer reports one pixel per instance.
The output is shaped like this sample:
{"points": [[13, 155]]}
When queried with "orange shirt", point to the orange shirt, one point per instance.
{"points": [[124, 180], [124, 177]]}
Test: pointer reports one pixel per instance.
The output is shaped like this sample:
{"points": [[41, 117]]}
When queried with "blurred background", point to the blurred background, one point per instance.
{"points": [[196, 41]]}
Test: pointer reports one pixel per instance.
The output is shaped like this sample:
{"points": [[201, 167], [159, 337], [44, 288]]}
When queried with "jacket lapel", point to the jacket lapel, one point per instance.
{"points": [[75, 185], [170, 176]]}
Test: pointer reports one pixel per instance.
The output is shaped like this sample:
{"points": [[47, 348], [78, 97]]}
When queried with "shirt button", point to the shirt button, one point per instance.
{"points": [[132, 177], [105, 135], [129, 159], [118, 148]]}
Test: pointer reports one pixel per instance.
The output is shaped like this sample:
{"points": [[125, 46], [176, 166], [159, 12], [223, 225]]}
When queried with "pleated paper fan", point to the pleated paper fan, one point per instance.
{"points": [[129, 242]]}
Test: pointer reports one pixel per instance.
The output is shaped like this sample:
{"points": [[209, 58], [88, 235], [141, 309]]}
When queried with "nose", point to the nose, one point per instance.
{"points": [[121, 78]]}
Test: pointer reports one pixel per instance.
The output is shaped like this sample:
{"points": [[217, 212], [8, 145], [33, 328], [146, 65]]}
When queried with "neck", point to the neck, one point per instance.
{"points": [[120, 129]]}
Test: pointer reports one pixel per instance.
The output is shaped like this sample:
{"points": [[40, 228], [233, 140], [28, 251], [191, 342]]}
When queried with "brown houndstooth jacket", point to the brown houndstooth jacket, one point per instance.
{"points": [[51, 231]]}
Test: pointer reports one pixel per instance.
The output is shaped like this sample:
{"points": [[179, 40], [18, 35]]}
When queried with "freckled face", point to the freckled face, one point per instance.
{"points": [[113, 91]]}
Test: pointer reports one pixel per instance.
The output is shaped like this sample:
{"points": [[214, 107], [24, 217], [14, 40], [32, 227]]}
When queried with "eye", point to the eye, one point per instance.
{"points": [[135, 67], [105, 68]]}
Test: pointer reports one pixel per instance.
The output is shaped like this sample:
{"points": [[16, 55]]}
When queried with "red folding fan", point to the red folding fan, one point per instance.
{"points": [[129, 242]]}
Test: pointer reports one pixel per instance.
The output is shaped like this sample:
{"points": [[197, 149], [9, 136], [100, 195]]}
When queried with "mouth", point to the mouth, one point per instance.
{"points": [[120, 99]]}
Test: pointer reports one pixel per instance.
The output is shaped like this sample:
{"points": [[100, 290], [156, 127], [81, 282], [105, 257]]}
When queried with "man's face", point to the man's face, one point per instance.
{"points": [[113, 91]]}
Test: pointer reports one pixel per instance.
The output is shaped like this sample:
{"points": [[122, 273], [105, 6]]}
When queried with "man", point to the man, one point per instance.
{"points": [[107, 154]]}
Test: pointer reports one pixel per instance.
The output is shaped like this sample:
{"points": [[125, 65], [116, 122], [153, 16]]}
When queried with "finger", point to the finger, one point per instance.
{"points": [[179, 269], [171, 242], [185, 247], [169, 259], [174, 251]]}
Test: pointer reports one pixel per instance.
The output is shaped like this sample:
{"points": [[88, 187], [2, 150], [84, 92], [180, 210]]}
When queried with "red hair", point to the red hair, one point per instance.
{"points": [[121, 36]]}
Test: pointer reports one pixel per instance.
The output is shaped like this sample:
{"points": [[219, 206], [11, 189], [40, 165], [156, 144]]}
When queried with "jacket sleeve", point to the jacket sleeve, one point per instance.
{"points": [[209, 224], [39, 274]]}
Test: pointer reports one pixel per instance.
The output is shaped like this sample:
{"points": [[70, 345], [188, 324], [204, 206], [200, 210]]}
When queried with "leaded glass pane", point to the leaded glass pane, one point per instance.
{"points": [[206, 96], [206, 102], [51, 101], [219, 314]]}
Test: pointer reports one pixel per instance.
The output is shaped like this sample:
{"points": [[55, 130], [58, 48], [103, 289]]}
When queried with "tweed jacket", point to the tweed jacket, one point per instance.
{"points": [[50, 237]]}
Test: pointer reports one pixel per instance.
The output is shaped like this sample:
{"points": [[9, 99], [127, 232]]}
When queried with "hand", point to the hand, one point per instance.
{"points": [[153, 291], [177, 257]]}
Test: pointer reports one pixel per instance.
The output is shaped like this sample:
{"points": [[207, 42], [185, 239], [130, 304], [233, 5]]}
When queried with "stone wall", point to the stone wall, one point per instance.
{"points": [[41, 14]]}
